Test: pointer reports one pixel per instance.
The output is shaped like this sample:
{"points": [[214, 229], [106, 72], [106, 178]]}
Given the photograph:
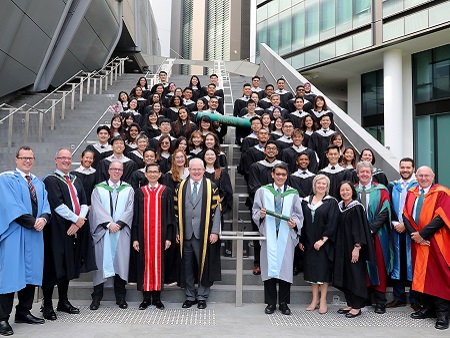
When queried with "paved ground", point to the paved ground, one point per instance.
{"points": [[225, 320]]}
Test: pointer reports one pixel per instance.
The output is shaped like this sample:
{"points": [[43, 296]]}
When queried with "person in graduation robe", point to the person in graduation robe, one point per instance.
{"points": [[24, 212], [353, 248], [402, 271], [253, 154], [111, 219], [320, 212], [378, 212], [289, 155], [68, 249], [259, 174], [101, 148], [137, 155], [138, 178], [334, 171], [301, 179], [277, 251], [129, 166], [86, 173], [153, 225], [427, 219], [320, 140], [197, 212]]}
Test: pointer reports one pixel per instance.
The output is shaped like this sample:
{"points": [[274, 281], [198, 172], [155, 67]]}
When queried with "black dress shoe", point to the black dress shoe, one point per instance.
{"points": [[395, 303], [416, 307], [422, 314], [441, 323], [380, 309], [49, 313], [188, 303], [159, 305], [353, 315], [201, 304], [65, 306], [5, 328], [270, 309], [28, 319], [95, 304], [343, 311], [284, 308], [145, 304], [122, 303]]}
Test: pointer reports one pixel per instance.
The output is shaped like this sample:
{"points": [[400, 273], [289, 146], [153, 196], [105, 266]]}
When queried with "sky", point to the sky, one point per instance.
{"points": [[162, 12]]}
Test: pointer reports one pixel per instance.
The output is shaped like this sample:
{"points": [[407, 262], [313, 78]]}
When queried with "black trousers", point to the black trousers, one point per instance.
{"points": [[63, 288], [353, 300], [256, 244], [441, 306], [378, 296], [270, 291], [149, 295], [26, 296], [119, 289]]}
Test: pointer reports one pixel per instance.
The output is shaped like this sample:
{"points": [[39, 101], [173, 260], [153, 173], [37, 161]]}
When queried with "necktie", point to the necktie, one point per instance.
{"points": [[402, 201], [194, 193], [278, 207], [419, 206], [73, 195], [31, 188], [114, 195], [364, 197]]}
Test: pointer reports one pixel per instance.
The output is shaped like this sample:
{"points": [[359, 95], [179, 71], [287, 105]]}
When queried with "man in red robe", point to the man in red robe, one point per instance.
{"points": [[152, 227], [427, 218]]}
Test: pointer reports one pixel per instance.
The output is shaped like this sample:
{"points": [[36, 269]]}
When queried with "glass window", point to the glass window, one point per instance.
{"points": [[343, 16], [344, 46], [362, 6], [422, 76], [312, 57], [328, 51], [416, 22], [442, 159], [393, 29], [261, 14], [361, 12], [441, 72], [327, 14], [273, 33], [284, 4], [372, 96], [391, 7], [362, 40], [377, 132], [298, 26], [312, 22], [284, 20], [273, 7], [298, 61]]}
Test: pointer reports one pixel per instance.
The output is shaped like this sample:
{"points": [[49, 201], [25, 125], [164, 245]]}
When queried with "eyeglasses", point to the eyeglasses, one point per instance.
{"points": [[23, 158], [281, 174], [271, 148], [64, 158]]}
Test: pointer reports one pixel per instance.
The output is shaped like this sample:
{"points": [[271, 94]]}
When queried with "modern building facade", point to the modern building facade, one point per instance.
{"points": [[210, 30], [43, 43], [385, 62]]}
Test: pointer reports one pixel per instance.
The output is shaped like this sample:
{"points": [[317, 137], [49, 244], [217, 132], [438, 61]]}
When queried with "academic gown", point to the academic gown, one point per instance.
{"points": [[210, 266], [99, 217], [431, 263], [319, 142], [88, 181], [21, 248], [379, 218], [129, 167], [62, 259], [290, 155], [138, 234], [352, 228], [284, 241], [99, 152], [137, 157], [259, 174], [225, 190], [336, 176], [302, 182], [248, 142], [402, 269], [318, 265], [138, 179]]}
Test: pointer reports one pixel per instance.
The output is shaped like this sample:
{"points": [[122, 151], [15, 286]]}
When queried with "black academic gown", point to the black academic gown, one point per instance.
{"points": [[64, 256], [259, 174], [137, 234], [129, 167], [99, 153], [225, 190], [352, 228], [319, 142], [302, 182], [289, 156], [336, 176], [317, 265], [88, 181], [137, 157], [252, 155]]}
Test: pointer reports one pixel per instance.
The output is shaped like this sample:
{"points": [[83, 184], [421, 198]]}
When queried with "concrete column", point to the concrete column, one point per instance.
{"points": [[393, 101], [408, 105], [354, 98], [198, 34]]}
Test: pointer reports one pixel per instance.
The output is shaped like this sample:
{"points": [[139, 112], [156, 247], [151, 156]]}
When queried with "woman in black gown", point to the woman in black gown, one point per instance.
{"points": [[86, 174], [353, 247], [320, 213]]}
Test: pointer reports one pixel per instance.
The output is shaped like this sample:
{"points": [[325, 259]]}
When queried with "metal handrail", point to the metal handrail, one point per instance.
{"points": [[240, 237], [110, 69], [337, 127]]}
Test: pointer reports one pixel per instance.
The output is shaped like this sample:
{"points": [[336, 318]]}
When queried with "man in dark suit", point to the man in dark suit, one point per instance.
{"points": [[198, 216]]}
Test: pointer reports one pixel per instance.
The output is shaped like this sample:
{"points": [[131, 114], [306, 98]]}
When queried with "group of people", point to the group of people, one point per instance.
{"points": [[146, 206]]}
